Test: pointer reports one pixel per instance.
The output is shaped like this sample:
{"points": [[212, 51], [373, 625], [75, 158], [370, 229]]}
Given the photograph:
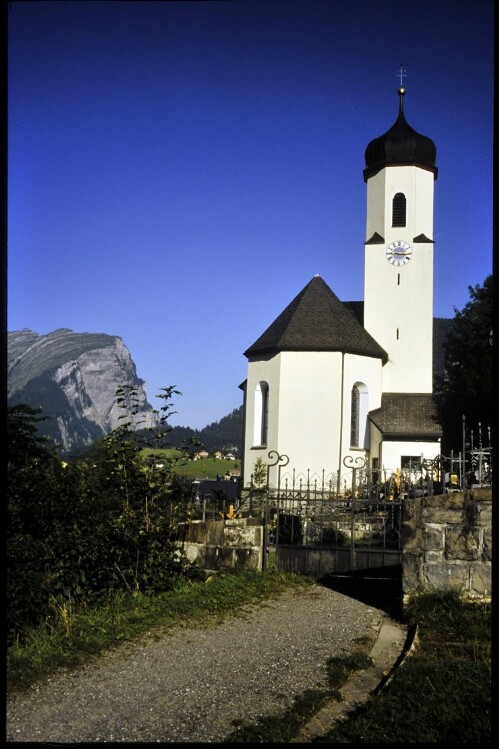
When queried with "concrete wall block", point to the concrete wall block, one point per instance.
{"points": [[485, 519], [215, 533], [239, 536], [481, 580], [412, 566], [447, 577], [226, 558], [462, 544], [481, 493], [452, 501], [411, 511], [206, 557], [236, 522], [191, 551], [433, 538], [412, 537], [487, 544], [442, 515], [433, 557], [195, 531], [250, 559]]}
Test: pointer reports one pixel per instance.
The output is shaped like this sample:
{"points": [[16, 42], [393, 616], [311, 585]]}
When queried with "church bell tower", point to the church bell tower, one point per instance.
{"points": [[398, 283]]}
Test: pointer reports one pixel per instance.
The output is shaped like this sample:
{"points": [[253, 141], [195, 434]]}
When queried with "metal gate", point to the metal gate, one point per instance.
{"points": [[339, 524], [328, 536]]}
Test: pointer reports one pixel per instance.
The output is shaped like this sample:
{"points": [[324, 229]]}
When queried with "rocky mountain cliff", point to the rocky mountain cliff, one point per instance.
{"points": [[73, 377]]}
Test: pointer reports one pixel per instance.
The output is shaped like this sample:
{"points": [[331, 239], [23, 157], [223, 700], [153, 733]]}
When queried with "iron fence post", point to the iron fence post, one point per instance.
{"points": [[280, 460], [354, 464]]}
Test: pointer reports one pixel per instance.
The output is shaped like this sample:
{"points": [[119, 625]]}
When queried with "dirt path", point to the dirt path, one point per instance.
{"points": [[189, 684]]}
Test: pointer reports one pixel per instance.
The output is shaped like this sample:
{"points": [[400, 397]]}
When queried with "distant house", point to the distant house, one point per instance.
{"points": [[230, 456], [218, 455], [201, 454]]}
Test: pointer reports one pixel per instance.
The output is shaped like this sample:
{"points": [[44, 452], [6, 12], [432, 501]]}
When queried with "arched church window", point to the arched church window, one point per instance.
{"points": [[399, 206], [354, 421], [261, 418], [358, 415]]}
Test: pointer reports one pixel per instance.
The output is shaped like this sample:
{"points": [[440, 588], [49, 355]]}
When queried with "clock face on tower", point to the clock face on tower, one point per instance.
{"points": [[399, 252]]}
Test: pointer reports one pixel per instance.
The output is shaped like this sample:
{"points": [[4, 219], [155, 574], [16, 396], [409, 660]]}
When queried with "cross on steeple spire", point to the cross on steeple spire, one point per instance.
{"points": [[402, 74]]}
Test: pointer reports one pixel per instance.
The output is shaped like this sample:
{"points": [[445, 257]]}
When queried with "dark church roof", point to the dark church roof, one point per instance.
{"points": [[406, 416], [316, 320], [401, 144]]}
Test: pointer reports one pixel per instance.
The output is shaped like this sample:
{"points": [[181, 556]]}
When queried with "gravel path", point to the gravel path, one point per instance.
{"points": [[189, 683]]}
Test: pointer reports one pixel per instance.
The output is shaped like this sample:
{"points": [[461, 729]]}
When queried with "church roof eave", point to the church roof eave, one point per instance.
{"points": [[277, 349], [373, 170], [411, 436]]}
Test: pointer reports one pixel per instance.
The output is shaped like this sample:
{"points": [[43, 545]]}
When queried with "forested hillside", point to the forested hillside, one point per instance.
{"points": [[225, 435]]}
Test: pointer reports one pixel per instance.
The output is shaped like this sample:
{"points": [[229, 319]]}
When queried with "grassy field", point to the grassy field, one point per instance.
{"points": [[441, 694], [204, 468]]}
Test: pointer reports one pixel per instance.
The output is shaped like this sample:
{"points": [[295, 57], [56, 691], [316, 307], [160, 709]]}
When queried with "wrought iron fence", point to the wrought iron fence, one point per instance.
{"points": [[356, 482], [307, 506]]}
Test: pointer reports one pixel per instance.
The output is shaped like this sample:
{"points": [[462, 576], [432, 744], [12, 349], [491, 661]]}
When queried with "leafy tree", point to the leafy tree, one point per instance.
{"points": [[466, 385], [78, 529], [35, 478], [23, 442], [260, 474]]}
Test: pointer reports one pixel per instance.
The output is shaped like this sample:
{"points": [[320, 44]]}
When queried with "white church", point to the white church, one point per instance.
{"points": [[333, 384]]}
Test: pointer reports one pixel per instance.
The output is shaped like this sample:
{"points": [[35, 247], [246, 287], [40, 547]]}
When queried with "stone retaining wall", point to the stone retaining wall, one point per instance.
{"points": [[447, 543], [223, 544]]}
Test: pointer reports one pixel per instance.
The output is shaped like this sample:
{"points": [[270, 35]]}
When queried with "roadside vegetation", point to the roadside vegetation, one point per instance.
{"points": [[84, 530], [92, 562]]}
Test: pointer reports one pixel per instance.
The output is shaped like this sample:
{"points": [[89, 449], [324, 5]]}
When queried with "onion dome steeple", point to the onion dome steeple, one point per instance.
{"points": [[400, 145]]}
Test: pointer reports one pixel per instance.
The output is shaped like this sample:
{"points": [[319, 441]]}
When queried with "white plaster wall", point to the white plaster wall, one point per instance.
{"points": [[398, 301], [375, 444], [266, 369], [368, 371], [309, 420], [417, 184], [393, 451], [376, 205]]}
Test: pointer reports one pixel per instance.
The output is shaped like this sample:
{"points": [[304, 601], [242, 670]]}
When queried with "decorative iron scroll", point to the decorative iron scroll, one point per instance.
{"points": [[359, 461], [279, 459]]}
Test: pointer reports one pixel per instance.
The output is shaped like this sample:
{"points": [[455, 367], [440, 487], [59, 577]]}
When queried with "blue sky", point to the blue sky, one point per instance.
{"points": [[178, 171]]}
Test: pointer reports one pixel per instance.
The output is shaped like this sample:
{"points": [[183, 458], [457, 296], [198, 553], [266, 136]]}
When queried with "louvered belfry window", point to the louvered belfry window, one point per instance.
{"points": [[399, 210]]}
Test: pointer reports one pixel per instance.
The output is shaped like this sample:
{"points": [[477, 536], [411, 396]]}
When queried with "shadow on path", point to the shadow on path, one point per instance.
{"points": [[382, 589]]}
